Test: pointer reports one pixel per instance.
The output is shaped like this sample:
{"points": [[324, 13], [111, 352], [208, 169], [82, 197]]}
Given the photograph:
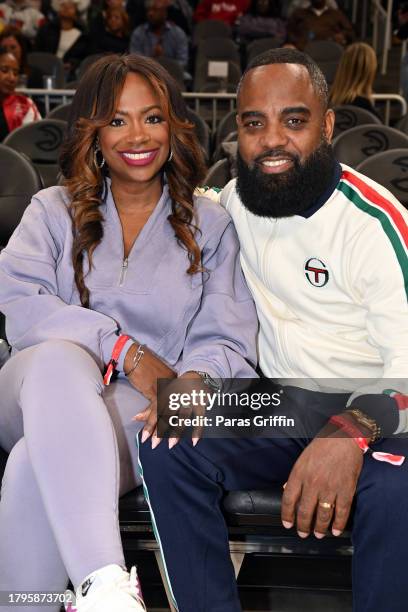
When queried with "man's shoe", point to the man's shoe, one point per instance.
{"points": [[110, 589]]}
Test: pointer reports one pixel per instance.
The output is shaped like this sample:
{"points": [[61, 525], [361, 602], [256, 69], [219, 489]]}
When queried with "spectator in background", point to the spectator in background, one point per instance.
{"points": [[12, 39], [319, 22], [353, 83], [223, 10], [64, 36], [115, 36], [97, 16], [289, 6], [159, 37], [23, 15], [262, 21], [15, 109]]}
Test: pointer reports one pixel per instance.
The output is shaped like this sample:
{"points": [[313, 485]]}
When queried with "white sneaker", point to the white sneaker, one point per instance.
{"points": [[110, 589]]}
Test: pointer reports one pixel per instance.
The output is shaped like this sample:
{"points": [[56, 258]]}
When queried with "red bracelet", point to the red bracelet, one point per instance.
{"points": [[117, 349], [353, 432]]}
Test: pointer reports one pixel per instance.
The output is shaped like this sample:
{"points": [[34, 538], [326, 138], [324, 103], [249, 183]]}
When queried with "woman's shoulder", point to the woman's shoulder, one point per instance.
{"points": [[54, 201]]}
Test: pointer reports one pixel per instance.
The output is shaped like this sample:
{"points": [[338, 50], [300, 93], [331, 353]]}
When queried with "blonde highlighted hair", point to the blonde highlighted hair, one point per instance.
{"points": [[355, 74]]}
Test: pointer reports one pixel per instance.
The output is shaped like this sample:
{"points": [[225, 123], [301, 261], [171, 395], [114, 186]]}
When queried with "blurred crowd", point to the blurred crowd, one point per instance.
{"points": [[74, 29]]}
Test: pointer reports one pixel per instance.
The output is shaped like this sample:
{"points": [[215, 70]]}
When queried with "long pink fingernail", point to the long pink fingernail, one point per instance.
{"points": [[155, 442], [287, 524], [195, 441], [145, 435], [319, 535], [172, 442], [336, 532], [303, 534]]}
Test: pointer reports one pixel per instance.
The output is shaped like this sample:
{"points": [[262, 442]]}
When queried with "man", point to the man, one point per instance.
{"points": [[319, 21], [158, 37], [324, 251], [222, 10]]}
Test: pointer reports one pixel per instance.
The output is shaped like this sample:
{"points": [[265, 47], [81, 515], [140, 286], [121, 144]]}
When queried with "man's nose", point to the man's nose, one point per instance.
{"points": [[274, 136]]}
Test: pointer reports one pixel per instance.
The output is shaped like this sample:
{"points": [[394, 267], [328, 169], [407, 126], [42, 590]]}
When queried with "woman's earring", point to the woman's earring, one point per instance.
{"points": [[170, 156], [97, 149]]}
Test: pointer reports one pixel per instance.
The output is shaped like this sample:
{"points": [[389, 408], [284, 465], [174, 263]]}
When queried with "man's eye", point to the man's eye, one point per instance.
{"points": [[117, 122], [295, 122], [253, 123], [154, 119]]}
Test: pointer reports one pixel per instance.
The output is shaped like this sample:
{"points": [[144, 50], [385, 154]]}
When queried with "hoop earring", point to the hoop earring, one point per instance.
{"points": [[97, 150], [170, 157]]}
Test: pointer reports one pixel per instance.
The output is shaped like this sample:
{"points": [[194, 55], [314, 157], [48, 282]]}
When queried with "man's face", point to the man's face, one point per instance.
{"points": [[283, 138], [156, 14]]}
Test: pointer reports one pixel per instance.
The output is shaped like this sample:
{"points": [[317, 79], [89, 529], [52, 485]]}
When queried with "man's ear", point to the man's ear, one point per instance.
{"points": [[328, 127]]}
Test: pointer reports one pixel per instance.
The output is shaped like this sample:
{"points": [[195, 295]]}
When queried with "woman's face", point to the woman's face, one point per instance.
{"points": [[12, 45], [67, 10], [9, 73], [135, 144], [114, 20]]}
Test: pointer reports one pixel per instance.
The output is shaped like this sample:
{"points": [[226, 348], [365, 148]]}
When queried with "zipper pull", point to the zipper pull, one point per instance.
{"points": [[123, 272]]}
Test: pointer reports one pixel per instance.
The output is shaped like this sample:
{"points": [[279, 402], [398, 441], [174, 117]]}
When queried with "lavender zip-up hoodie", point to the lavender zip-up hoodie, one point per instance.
{"points": [[206, 321]]}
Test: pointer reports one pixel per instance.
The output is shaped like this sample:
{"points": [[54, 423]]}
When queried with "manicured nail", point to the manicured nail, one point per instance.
{"points": [[318, 535], [303, 534], [287, 524], [172, 442], [336, 532], [145, 435], [155, 442], [284, 485], [195, 441]]}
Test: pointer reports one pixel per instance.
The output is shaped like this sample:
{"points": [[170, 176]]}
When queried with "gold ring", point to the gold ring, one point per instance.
{"points": [[326, 505]]}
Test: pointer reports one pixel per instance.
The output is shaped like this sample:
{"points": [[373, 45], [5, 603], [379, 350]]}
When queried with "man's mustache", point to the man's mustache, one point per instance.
{"points": [[276, 153]]}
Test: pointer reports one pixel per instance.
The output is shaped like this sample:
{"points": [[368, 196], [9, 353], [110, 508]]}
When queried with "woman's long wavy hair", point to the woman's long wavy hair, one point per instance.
{"points": [[355, 74], [93, 107]]}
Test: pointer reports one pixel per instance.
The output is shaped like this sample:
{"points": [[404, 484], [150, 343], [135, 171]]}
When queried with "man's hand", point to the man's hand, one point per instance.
{"points": [[327, 471]]}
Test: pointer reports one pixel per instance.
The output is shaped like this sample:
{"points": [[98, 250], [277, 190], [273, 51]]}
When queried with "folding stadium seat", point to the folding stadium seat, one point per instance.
{"points": [[175, 69], [349, 116], [256, 47], [41, 142], [60, 112], [227, 125], [50, 65], [202, 130], [19, 182], [390, 169], [326, 54], [84, 65], [354, 146], [219, 174], [210, 28], [216, 50]]}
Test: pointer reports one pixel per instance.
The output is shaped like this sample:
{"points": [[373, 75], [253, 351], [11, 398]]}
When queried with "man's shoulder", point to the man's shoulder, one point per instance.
{"points": [[363, 192], [369, 206]]}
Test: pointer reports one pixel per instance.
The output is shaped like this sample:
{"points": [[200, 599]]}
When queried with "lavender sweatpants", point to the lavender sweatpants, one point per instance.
{"points": [[72, 453]]}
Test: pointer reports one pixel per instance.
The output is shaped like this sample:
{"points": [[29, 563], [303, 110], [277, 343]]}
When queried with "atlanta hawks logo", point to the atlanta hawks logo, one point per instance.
{"points": [[316, 272]]}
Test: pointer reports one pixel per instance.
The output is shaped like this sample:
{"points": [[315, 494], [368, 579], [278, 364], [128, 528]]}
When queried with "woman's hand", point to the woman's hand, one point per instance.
{"points": [[148, 370], [144, 378]]}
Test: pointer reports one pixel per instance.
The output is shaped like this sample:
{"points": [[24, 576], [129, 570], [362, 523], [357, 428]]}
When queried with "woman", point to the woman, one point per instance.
{"points": [[15, 109], [18, 45], [114, 38], [64, 37], [353, 83], [121, 263]]}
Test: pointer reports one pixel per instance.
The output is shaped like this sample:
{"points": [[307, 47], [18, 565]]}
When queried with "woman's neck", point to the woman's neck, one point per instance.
{"points": [[134, 197]]}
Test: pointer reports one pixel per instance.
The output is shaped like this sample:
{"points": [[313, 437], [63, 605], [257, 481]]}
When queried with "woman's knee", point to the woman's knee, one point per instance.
{"points": [[61, 360]]}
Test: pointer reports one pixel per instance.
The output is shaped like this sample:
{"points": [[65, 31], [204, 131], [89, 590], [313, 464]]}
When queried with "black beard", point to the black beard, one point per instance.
{"points": [[289, 193]]}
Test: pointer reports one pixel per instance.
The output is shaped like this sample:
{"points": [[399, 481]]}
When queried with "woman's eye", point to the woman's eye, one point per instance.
{"points": [[154, 119], [116, 122]]}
